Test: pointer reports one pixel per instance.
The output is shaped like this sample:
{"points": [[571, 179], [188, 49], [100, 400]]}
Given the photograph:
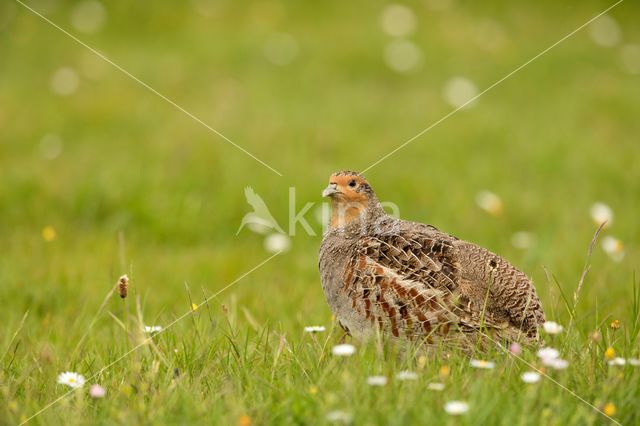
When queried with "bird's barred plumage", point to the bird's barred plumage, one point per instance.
{"points": [[410, 280]]}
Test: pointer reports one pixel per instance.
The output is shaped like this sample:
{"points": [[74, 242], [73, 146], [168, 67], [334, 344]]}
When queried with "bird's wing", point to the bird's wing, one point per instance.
{"points": [[416, 282], [406, 283]]}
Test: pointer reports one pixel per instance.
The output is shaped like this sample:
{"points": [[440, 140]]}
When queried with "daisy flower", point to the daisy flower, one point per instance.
{"points": [[530, 377], [96, 391], [634, 361], [487, 365], [71, 379], [344, 349], [406, 375], [376, 380], [552, 327], [617, 361], [548, 353], [339, 416], [556, 363], [489, 202], [456, 408], [435, 386], [515, 348], [613, 247], [522, 240], [600, 212], [152, 328], [277, 242], [314, 329]]}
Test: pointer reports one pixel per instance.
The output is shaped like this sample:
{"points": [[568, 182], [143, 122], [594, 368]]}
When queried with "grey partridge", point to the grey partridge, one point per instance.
{"points": [[411, 280]]}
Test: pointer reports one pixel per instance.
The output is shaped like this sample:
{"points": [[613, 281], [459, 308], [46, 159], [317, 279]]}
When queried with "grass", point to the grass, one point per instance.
{"points": [[139, 188]]}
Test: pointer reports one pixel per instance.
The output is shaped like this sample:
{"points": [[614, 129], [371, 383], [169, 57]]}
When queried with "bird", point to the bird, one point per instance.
{"points": [[404, 279]]}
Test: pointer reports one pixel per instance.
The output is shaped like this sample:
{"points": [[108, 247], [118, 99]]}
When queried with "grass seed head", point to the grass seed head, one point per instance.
{"points": [[123, 286]]}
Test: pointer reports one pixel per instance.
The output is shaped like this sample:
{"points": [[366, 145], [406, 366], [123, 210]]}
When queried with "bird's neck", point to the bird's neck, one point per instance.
{"points": [[345, 213]]}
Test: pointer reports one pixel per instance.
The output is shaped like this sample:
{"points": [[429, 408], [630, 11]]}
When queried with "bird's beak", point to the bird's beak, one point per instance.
{"points": [[330, 190]]}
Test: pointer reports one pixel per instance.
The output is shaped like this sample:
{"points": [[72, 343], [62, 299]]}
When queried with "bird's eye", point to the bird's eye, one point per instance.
{"points": [[352, 183]]}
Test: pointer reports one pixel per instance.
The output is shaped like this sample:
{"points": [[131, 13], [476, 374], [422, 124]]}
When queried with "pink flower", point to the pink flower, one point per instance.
{"points": [[96, 391], [515, 348]]}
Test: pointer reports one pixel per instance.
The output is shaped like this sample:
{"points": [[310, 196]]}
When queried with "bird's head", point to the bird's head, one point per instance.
{"points": [[352, 198]]}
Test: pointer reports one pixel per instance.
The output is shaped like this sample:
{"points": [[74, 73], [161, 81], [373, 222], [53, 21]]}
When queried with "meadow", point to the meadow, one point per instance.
{"points": [[101, 177]]}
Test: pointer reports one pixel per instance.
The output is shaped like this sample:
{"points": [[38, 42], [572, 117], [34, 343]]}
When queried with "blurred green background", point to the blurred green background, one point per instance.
{"points": [[309, 88]]}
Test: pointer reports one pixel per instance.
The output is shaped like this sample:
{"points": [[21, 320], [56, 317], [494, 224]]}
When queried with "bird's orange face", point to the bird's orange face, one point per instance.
{"points": [[345, 187], [349, 197]]}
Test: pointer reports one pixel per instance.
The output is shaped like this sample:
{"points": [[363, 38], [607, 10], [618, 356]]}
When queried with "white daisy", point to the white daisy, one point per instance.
{"points": [[65, 81], [556, 363], [376, 380], [152, 329], [435, 386], [456, 408], [487, 365], [406, 375], [71, 379], [618, 361], [489, 202], [314, 329], [530, 377], [88, 16], [344, 349], [339, 416], [398, 20], [634, 361], [402, 56], [522, 240], [605, 31], [459, 91], [600, 212], [277, 242], [552, 327], [613, 247], [548, 353]]}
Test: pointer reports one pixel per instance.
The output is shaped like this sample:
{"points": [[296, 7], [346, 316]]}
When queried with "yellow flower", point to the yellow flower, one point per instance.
{"points": [[313, 390], [444, 372], [48, 233], [194, 307], [126, 390], [422, 361], [609, 409], [610, 353], [244, 420], [615, 324]]}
